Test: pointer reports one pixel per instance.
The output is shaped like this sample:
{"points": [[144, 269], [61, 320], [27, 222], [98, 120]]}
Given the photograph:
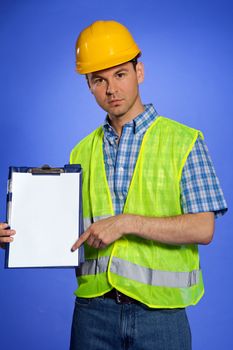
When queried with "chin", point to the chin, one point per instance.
{"points": [[117, 111]]}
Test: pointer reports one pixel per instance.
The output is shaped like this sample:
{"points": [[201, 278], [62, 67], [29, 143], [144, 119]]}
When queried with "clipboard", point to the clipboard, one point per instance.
{"points": [[44, 206]]}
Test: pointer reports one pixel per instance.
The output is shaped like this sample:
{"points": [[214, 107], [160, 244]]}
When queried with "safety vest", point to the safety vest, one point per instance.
{"points": [[156, 274]]}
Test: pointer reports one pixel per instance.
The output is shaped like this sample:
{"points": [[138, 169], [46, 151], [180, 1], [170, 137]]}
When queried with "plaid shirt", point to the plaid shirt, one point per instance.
{"points": [[200, 188]]}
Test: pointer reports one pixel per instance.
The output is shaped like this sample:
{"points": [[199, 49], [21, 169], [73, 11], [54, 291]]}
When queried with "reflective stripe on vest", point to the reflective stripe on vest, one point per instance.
{"points": [[92, 267], [141, 274]]}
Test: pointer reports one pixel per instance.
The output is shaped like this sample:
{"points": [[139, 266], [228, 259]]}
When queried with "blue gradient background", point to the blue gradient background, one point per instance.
{"points": [[45, 108]]}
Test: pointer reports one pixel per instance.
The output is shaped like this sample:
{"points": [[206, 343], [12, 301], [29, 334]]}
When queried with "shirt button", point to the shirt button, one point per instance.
{"points": [[121, 169]]}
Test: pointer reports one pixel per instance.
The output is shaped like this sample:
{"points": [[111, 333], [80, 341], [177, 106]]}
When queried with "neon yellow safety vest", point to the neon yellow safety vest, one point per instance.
{"points": [[158, 275]]}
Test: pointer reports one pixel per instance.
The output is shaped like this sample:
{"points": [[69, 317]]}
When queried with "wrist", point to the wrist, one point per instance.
{"points": [[126, 223], [133, 223]]}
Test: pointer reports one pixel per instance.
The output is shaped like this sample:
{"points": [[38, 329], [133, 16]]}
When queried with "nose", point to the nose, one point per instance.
{"points": [[111, 88]]}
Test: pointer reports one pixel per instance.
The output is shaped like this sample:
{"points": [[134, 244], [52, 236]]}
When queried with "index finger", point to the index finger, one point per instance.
{"points": [[81, 240]]}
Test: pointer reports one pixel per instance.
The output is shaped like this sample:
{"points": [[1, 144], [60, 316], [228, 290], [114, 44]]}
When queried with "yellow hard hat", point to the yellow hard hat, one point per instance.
{"points": [[102, 45]]}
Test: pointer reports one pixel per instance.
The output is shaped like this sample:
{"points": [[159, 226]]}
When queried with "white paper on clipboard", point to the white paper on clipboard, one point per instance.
{"points": [[45, 212]]}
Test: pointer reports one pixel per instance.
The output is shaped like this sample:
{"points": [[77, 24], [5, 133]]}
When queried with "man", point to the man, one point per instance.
{"points": [[150, 195]]}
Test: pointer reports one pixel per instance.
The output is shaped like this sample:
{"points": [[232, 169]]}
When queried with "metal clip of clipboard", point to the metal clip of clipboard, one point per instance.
{"points": [[45, 170]]}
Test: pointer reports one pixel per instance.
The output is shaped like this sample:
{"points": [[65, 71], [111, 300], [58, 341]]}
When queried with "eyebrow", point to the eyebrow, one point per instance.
{"points": [[121, 70], [96, 75]]}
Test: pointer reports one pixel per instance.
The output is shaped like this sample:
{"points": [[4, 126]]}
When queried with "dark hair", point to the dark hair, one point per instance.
{"points": [[135, 60]]}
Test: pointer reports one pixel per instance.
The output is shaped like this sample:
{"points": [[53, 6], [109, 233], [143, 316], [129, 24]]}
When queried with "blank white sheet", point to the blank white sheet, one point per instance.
{"points": [[45, 214]]}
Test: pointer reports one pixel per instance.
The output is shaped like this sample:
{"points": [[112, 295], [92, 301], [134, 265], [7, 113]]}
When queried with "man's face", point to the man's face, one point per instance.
{"points": [[116, 89]]}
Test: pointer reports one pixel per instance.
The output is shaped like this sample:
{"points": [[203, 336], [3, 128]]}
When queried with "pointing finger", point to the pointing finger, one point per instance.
{"points": [[81, 240]]}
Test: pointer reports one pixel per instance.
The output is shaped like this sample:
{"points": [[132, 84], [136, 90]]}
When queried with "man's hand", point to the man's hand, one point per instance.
{"points": [[5, 234], [104, 232], [175, 230]]}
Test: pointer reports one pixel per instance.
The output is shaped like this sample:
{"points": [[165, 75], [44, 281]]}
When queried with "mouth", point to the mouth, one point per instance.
{"points": [[115, 102]]}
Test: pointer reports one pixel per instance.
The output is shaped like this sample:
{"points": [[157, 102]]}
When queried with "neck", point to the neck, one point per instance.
{"points": [[118, 122]]}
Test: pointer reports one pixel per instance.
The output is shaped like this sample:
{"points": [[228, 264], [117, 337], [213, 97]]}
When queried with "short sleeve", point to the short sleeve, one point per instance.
{"points": [[200, 187]]}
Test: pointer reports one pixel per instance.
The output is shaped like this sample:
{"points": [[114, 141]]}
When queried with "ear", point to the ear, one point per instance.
{"points": [[88, 83], [140, 72]]}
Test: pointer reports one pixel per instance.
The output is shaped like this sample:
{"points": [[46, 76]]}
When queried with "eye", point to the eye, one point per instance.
{"points": [[121, 75], [98, 81]]}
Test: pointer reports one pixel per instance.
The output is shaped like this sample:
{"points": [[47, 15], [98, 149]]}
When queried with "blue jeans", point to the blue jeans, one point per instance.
{"points": [[102, 324]]}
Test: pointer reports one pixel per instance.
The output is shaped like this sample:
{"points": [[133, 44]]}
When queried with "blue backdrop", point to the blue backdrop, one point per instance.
{"points": [[46, 108]]}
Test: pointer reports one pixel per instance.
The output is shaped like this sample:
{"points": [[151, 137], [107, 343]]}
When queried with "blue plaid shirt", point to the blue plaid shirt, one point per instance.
{"points": [[200, 188]]}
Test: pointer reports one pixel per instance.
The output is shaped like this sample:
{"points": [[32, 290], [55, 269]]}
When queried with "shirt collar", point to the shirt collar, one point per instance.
{"points": [[140, 124]]}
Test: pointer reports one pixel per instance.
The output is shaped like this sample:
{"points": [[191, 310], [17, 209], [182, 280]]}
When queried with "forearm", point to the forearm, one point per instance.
{"points": [[182, 229]]}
